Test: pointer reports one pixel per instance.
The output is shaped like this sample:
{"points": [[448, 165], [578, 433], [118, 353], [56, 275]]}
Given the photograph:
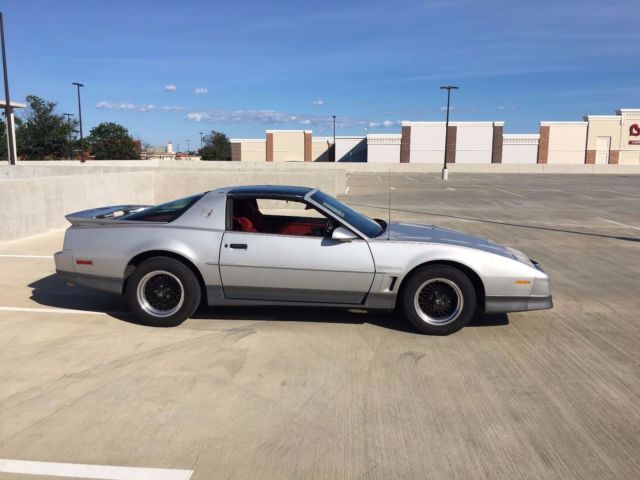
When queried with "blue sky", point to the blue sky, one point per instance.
{"points": [[170, 69]]}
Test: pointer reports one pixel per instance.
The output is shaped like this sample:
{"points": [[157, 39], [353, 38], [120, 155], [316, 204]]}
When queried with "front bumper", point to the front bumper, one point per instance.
{"points": [[517, 304], [539, 297]]}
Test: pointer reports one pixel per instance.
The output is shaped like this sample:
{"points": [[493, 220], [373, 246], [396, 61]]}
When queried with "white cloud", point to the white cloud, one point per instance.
{"points": [[235, 116], [104, 105], [385, 124], [318, 103], [270, 117], [170, 88], [201, 91], [501, 108], [266, 117]]}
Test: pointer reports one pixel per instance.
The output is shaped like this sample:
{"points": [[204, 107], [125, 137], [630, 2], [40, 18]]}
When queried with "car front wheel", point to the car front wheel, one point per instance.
{"points": [[162, 292], [439, 300]]}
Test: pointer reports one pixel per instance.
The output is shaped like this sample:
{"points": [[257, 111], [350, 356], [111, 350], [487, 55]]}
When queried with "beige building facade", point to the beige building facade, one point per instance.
{"points": [[562, 142], [383, 147], [248, 149], [520, 148], [321, 150], [351, 148], [468, 142], [286, 145], [599, 139]]}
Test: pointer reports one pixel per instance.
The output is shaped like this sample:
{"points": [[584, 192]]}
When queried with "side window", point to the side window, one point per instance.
{"points": [[278, 217]]}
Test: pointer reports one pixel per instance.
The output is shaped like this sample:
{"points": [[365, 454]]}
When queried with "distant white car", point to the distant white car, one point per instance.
{"points": [[278, 245]]}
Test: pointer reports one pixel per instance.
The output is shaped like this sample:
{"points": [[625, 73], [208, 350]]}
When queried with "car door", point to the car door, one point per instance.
{"points": [[267, 266]]}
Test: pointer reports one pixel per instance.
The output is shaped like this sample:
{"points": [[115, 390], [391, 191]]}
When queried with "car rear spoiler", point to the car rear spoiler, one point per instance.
{"points": [[103, 214]]}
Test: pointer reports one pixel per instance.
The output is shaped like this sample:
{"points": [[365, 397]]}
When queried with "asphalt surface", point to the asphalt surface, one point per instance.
{"points": [[290, 393]]}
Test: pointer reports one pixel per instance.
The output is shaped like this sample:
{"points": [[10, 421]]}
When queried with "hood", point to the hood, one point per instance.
{"points": [[413, 232]]}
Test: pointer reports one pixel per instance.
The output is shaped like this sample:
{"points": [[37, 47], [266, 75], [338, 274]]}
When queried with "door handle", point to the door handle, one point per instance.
{"points": [[238, 246]]}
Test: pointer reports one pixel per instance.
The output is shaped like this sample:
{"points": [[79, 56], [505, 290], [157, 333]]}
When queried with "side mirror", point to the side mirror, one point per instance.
{"points": [[343, 235]]}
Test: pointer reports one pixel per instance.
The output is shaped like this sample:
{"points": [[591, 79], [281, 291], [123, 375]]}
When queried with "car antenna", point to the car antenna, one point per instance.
{"points": [[389, 206]]}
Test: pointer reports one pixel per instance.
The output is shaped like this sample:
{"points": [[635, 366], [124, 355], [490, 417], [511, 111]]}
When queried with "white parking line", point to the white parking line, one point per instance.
{"points": [[568, 193], [105, 472], [11, 255], [412, 179], [510, 193], [56, 310], [621, 193], [618, 223]]}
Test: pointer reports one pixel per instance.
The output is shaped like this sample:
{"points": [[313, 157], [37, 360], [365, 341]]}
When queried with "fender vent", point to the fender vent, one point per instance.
{"points": [[392, 284]]}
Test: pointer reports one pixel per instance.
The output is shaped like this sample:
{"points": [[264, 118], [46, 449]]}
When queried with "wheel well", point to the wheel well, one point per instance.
{"points": [[478, 286], [141, 257]]}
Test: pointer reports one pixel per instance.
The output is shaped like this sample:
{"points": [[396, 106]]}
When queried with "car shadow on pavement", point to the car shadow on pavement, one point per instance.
{"points": [[51, 291]]}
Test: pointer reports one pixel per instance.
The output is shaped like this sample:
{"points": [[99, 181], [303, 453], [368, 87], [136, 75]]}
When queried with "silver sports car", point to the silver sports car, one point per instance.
{"points": [[279, 245]]}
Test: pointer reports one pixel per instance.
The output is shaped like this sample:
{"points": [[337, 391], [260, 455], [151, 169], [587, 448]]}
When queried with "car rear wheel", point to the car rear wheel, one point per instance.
{"points": [[163, 292], [439, 300]]}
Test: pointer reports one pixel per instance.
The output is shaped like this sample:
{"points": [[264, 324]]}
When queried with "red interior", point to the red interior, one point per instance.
{"points": [[248, 218]]}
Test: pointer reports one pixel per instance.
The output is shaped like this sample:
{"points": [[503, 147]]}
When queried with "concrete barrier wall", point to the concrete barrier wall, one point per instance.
{"points": [[35, 198], [35, 205], [45, 168]]}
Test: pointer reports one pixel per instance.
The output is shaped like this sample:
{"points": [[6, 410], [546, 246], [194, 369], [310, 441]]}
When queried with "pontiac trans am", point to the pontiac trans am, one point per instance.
{"points": [[279, 245]]}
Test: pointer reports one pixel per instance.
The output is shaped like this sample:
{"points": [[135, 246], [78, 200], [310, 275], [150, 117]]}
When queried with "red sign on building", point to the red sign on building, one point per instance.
{"points": [[634, 131]]}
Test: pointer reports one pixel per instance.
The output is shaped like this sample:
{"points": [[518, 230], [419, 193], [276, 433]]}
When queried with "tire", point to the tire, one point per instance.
{"points": [[163, 292], [438, 300]]}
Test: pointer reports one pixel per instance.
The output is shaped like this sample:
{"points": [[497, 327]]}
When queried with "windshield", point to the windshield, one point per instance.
{"points": [[364, 224], [167, 212]]}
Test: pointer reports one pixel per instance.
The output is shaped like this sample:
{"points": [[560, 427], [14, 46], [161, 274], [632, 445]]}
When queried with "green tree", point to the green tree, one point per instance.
{"points": [[110, 141], [216, 147], [42, 134], [4, 150]]}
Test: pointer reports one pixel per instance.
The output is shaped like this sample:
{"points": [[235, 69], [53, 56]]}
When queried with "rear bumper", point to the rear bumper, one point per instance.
{"points": [[64, 261], [66, 271], [517, 304]]}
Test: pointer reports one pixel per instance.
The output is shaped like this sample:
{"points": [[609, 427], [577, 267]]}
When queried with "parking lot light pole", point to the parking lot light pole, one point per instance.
{"points": [[334, 128], [82, 159], [445, 172], [69, 115], [7, 108], [334, 137]]}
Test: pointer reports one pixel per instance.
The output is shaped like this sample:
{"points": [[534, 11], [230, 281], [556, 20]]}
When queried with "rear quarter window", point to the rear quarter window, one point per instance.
{"points": [[166, 212]]}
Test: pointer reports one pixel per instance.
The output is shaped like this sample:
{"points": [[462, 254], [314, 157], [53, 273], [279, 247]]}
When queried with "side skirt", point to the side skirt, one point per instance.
{"points": [[215, 297]]}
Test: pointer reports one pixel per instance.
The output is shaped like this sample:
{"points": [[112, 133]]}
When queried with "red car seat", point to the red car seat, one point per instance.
{"points": [[246, 225], [246, 215]]}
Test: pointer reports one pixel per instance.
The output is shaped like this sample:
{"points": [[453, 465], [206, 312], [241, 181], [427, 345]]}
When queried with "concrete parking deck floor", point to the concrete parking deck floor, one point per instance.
{"points": [[290, 393]]}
